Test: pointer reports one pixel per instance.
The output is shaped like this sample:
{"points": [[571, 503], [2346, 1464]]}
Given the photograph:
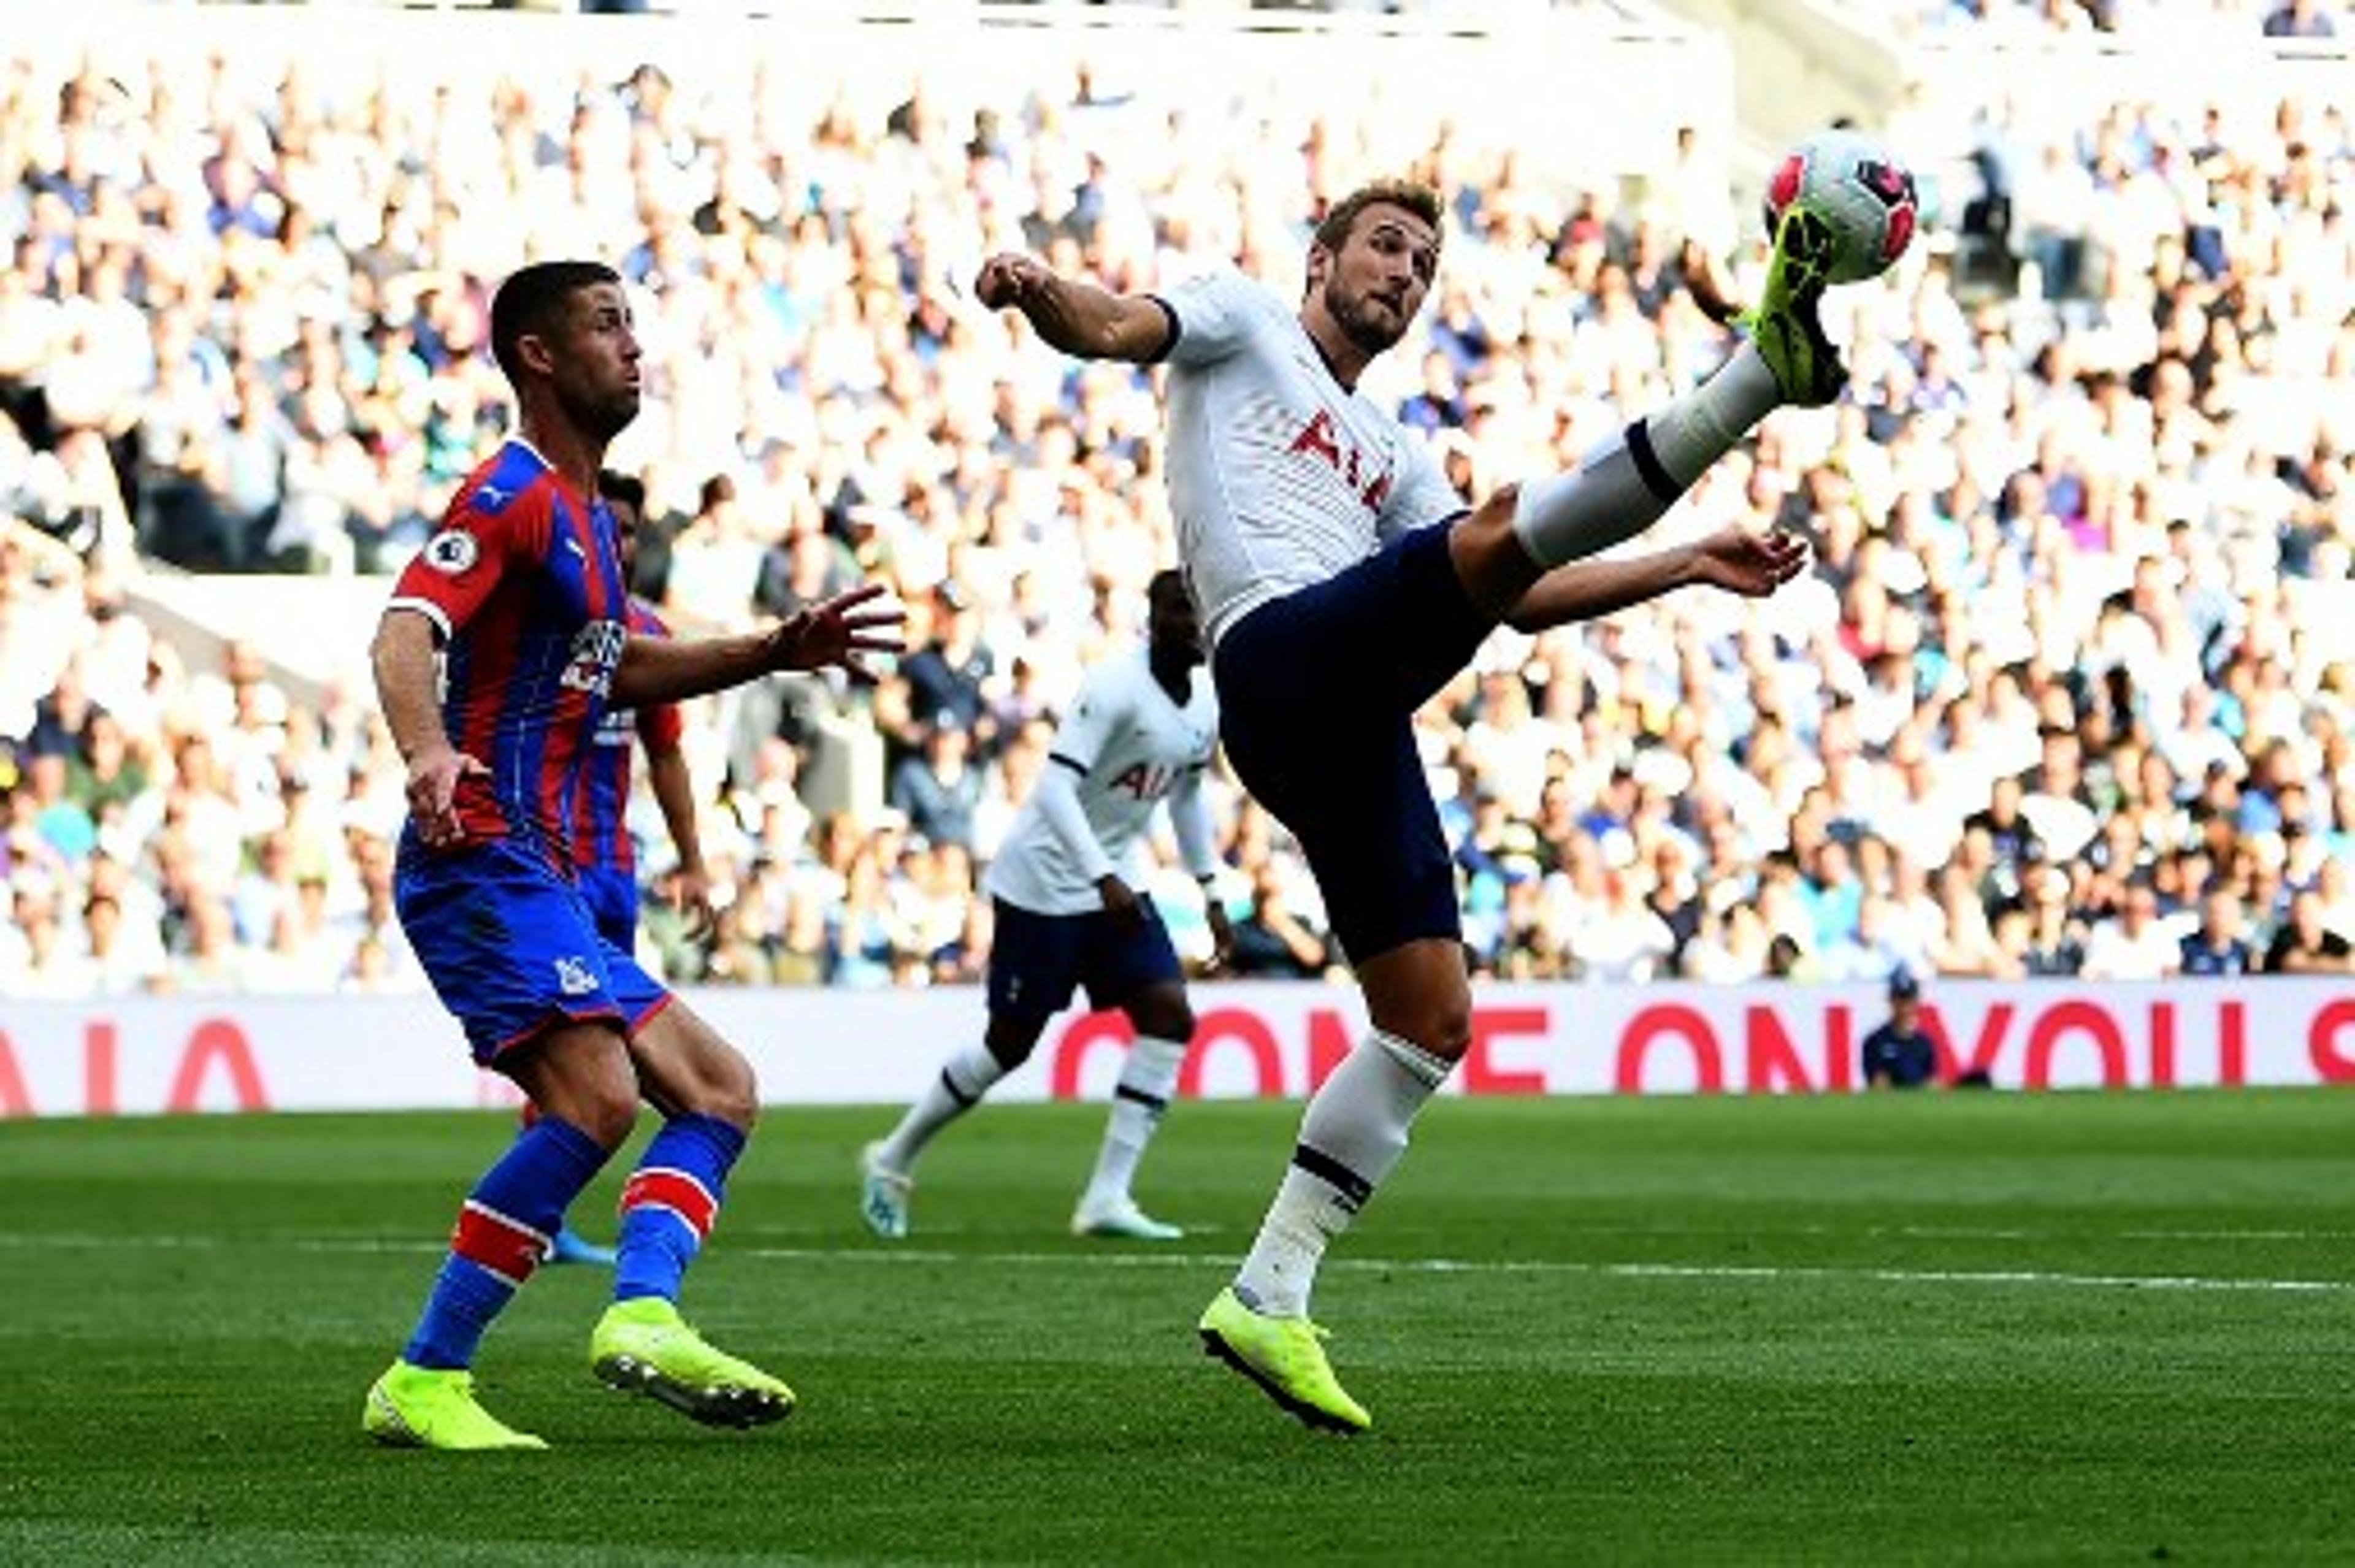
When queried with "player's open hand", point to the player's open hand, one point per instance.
{"points": [[1009, 279], [1749, 562], [1121, 903], [836, 632], [691, 897], [1223, 933], [434, 780]]}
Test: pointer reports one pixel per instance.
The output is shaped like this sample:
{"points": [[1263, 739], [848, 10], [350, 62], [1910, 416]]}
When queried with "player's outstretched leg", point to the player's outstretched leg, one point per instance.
{"points": [[1629, 481], [418, 1407], [1285, 1357], [1784, 323], [572, 1247]]}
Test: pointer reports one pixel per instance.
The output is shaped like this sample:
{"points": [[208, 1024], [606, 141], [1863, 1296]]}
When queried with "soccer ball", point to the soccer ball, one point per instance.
{"points": [[1857, 185]]}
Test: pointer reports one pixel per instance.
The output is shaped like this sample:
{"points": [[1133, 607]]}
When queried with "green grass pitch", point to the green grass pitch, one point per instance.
{"points": [[1957, 1328]]}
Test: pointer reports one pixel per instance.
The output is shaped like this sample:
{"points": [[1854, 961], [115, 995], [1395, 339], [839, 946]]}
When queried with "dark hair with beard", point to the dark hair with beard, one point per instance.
{"points": [[529, 300], [1412, 196]]}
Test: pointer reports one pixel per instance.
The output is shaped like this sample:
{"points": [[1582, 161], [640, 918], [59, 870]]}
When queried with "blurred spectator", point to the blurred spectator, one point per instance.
{"points": [[2046, 939], [2299, 19], [949, 670], [2132, 945], [1624, 942], [939, 788], [2306, 944], [2218, 946], [1786, 960], [1269, 940]]}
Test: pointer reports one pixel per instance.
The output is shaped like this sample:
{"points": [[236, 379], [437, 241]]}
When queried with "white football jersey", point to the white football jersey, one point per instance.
{"points": [[1278, 477], [1130, 746]]}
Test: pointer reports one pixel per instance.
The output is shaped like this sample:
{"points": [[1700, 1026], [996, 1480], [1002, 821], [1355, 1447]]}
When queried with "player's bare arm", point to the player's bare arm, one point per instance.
{"points": [[838, 631], [1074, 317], [1222, 930], [1734, 559], [407, 690], [674, 789]]}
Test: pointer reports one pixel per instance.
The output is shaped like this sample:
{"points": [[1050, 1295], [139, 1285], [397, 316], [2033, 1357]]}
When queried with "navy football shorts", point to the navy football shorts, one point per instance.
{"points": [[1317, 692], [1036, 961]]}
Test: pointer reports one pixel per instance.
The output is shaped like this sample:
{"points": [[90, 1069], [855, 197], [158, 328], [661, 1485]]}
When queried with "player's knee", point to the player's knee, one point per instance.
{"points": [[608, 1117], [733, 1095], [1440, 1025], [1163, 1020], [1495, 567], [1449, 1031], [1009, 1054], [1009, 1047]]}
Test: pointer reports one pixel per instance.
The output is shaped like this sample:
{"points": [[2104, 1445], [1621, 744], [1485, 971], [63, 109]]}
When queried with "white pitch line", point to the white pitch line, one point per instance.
{"points": [[1760, 1271], [1768, 1274]]}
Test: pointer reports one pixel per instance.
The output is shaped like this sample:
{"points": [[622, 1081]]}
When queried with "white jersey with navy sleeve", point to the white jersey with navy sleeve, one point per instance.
{"points": [[1278, 476], [1129, 745]]}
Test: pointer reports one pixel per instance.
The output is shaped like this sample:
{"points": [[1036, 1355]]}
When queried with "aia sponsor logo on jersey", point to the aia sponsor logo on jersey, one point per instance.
{"points": [[1143, 780], [1369, 481]]}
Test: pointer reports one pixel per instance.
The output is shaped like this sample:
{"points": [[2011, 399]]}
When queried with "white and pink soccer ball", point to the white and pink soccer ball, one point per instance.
{"points": [[1860, 187]]}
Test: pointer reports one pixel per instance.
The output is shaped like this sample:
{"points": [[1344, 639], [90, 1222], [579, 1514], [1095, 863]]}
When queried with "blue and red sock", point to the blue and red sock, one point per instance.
{"points": [[502, 1233], [670, 1202]]}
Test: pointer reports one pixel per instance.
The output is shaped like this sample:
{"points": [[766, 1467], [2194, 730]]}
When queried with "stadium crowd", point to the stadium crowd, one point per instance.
{"points": [[2070, 690], [2031, 21]]}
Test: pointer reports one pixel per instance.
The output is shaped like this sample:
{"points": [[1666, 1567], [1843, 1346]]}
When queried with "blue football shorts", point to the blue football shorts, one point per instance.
{"points": [[613, 899], [510, 945]]}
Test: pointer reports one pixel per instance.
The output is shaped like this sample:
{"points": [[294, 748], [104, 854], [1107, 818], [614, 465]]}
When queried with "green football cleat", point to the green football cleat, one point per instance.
{"points": [[642, 1346], [1784, 325], [1283, 1356], [883, 1195], [418, 1407]]}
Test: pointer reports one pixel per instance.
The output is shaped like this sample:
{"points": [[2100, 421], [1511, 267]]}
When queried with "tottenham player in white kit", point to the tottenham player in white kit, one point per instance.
{"points": [[1141, 730], [1342, 582]]}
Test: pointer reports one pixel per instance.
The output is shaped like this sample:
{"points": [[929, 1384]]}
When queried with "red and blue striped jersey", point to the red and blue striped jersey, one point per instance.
{"points": [[525, 585], [600, 833]]}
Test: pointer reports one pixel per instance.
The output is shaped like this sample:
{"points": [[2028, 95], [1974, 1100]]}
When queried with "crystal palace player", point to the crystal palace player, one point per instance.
{"points": [[523, 588], [1141, 730], [1343, 583], [602, 855]]}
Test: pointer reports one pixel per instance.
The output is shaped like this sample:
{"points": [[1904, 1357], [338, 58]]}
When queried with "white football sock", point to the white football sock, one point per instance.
{"points": [[963, 1079], [1351, 1136], [1626, 484], [1147, 1080]]}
